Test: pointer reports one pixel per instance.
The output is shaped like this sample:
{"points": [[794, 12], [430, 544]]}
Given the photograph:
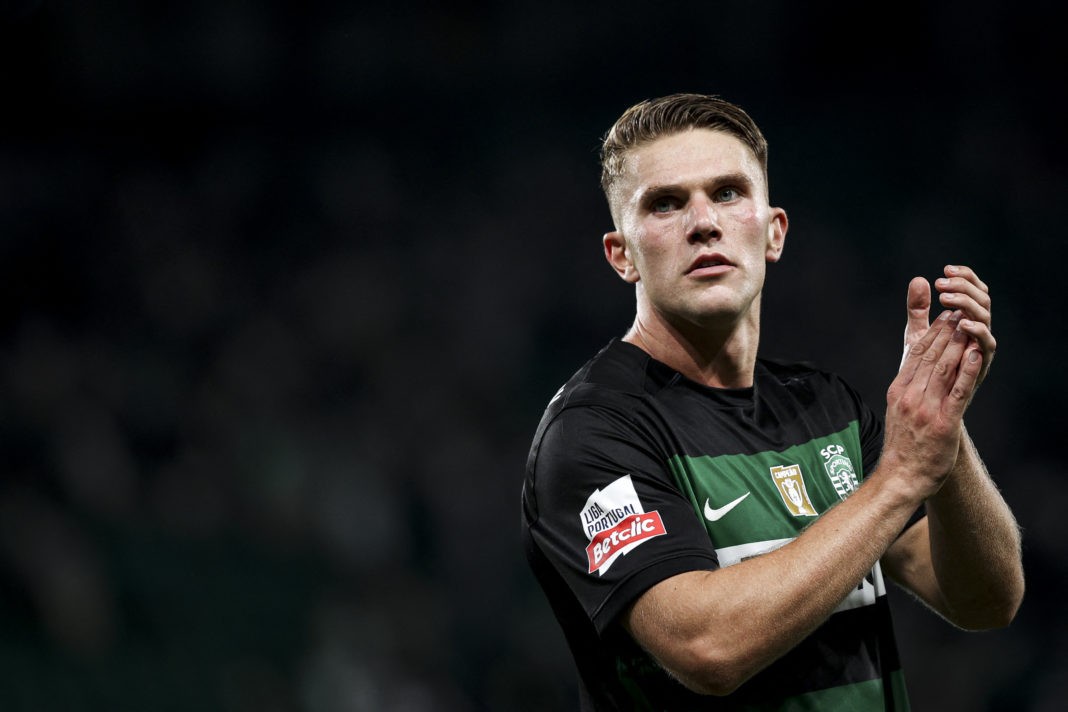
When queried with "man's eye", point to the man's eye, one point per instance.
{"points": [[725, 195], [664, 205]]}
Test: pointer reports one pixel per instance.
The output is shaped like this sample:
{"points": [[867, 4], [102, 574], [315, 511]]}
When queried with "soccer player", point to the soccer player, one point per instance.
{"points": [[713, 529]]}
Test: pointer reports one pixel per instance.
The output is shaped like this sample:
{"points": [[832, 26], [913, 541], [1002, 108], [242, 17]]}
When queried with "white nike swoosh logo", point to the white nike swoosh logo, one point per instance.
{"points": [[714, 515]]}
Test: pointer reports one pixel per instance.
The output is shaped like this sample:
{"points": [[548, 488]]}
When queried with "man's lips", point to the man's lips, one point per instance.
{"points": [[709, 265]]}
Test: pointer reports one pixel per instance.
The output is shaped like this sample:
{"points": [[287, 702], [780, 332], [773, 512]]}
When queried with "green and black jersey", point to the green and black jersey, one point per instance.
{"points": [[637, 474]]}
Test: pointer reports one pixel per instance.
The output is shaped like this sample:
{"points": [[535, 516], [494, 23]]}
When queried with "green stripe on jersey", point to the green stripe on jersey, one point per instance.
{"points": [[772, 494], [857, 697]]}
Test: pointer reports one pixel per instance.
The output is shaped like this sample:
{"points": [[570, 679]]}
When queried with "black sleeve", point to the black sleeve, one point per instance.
{"points": [[609, 517], [871, 432]]}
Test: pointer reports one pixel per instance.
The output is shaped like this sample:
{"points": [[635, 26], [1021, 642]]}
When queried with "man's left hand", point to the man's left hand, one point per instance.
{"points": [[961, 291]]}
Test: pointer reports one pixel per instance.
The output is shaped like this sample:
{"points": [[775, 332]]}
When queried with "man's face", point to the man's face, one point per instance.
{"points": [[694, 229]]}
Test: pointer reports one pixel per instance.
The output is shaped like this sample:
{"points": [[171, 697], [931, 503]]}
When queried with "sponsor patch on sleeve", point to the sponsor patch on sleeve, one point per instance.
{"points": [[616, 523]]}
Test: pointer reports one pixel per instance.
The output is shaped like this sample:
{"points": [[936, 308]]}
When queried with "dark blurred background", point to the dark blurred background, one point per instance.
{"points": [[285, 289]]}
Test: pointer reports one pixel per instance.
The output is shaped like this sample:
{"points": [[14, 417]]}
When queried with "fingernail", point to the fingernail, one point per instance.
{"points": [[952, 269], [944, 315], [942, 282], [973, 356]]}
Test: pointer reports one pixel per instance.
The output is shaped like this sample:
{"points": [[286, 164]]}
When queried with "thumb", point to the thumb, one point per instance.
{"points": [[918, 304]]}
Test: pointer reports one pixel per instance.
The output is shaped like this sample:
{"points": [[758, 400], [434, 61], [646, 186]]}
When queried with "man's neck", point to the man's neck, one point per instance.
{"points": [[720, 357]]}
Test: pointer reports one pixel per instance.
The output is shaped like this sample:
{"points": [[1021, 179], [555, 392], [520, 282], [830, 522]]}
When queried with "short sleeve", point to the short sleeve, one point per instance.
{"points": [[608, 516]]}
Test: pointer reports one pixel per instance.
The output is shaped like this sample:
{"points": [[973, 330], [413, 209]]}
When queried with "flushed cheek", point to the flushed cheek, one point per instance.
{"points": [[655, 245], [751, 227], [658, 261], [745, 217]]}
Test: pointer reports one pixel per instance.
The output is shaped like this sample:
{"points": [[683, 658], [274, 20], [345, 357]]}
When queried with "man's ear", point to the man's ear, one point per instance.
{"points": [[618, 255], [777, 227]]}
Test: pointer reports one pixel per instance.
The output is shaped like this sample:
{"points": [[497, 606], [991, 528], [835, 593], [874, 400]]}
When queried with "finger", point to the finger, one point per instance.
{"points": [[984, 339], [918, 350], [931, 366], [955, 403], [975, 310], [965, 272], [972, 297], [977, 290], [944, 372], [918, 305], [918, 309]]}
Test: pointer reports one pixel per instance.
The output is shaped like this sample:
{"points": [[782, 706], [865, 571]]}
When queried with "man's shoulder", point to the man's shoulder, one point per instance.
{"points": [[617, 374], [601, 396], [610, 387]]}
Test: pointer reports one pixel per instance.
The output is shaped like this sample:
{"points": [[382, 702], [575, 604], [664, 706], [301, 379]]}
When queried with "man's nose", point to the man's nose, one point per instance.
{"points": [[703, 220]]}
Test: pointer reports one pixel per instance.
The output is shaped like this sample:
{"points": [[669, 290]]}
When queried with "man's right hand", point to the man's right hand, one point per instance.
{"points": [[925, 406]]}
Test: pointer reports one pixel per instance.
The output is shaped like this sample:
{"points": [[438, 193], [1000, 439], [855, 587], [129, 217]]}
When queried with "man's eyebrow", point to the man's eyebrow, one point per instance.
{"points": [[655, 191], [734, 179]]}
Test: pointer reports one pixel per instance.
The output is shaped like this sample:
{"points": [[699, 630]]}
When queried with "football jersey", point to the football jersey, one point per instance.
{"points": [[637, 474]]}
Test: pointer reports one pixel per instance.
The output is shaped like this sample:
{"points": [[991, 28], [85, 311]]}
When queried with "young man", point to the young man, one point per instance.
{"points": [[713, 529]]}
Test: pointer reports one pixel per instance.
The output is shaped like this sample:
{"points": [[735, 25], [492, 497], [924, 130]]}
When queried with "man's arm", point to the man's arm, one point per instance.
{"points": [[713, 630], [964, 559]]}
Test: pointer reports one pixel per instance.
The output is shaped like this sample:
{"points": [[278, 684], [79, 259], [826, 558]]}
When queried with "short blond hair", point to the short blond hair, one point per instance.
{"points": [[651, 119]]}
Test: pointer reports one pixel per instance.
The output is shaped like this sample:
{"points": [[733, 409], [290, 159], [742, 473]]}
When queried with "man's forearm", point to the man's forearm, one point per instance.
{"points": [[715, 629], [975, 546]]}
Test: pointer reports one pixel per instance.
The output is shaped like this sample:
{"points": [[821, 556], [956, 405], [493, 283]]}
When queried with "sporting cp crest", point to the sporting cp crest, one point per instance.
{"points": [[840, 469], [791, 485]]}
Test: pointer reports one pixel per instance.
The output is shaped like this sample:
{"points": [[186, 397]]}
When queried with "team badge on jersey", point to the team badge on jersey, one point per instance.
{"points": [[840, 469], [791, 485], [615, 523]]}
